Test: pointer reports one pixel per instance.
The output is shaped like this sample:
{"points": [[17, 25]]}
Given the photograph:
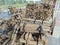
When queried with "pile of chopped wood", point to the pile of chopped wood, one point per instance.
{"points": [[45, 11], [14, 10], [31, 10], [32, 28], [41, 11]]}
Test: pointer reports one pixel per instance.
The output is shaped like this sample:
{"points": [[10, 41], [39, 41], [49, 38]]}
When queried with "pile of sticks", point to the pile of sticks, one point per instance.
{"points": [[24, 31], [42, 11], [45, 11], [31, 10], [14, 10]]}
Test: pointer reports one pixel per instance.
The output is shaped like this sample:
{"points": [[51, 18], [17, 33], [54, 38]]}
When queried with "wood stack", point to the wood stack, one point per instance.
{"points": [[30, 33], [12, 10], [42, 11], [31, 10], [45, 11]]}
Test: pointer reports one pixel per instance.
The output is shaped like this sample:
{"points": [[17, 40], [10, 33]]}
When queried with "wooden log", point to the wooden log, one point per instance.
{"points": [[31, 27], [22, 41]]}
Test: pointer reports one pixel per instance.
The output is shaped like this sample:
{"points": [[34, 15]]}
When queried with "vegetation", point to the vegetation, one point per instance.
{"points": [[17, 3]]}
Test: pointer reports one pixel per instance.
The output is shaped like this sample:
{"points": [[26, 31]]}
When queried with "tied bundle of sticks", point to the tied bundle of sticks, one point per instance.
{"points": [[42, 11], [13, 10], [47, 8], [31, 11], [45, 11]]}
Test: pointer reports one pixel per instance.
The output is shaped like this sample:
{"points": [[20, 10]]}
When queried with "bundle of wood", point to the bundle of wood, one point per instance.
{"points": [[31, 10], [32, 35], [46, 9], [43, 11], [14, 10], [15, 19]]}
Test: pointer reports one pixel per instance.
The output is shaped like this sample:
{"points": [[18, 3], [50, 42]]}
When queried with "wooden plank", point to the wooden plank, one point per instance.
{"points": [[29, 19], [22, 40]]}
